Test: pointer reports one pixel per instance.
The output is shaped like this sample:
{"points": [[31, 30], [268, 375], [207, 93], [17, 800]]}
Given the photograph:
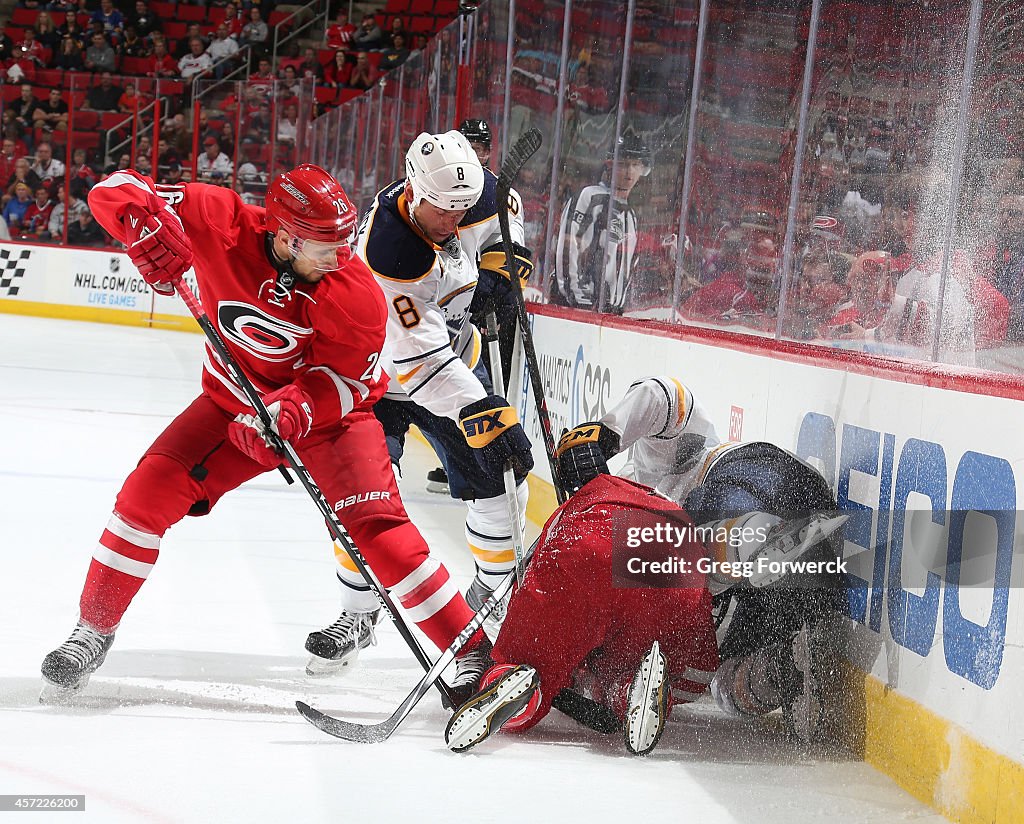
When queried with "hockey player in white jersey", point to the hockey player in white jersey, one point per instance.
{"points": [[773, 639], [427, 238]]}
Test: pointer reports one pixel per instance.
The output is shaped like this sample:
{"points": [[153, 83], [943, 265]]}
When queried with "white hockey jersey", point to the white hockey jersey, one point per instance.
{"points": [[429, 289], [671, 439]]}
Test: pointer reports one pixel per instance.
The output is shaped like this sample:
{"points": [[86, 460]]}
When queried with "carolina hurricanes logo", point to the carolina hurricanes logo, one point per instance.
{"points": [[266, 337]]}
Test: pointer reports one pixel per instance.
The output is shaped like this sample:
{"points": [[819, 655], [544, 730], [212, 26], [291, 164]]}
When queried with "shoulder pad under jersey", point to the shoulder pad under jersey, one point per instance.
{"points": [[393, 249], [487, 206]]}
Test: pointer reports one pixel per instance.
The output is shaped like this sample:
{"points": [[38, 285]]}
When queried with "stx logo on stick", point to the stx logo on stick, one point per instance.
{"points": [[483, 423]]}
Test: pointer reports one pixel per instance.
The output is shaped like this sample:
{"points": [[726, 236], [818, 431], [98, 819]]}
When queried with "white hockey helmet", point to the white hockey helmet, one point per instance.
{"points": [[444, 170]]}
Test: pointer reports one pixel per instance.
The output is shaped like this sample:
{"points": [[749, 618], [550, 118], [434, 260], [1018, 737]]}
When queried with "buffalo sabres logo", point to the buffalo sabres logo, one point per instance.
{"points": [[268, 338], [427, 148]]}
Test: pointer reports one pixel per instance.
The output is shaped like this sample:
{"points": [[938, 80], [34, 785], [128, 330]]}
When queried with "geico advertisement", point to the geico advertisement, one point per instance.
{"points": [[932, 545]]}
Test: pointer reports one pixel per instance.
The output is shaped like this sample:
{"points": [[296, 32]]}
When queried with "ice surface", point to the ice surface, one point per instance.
{"points": [[192, 716]]}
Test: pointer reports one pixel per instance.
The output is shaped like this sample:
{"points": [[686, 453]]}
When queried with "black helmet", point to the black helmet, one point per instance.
{"points": [[632, 146], [476, 131]]}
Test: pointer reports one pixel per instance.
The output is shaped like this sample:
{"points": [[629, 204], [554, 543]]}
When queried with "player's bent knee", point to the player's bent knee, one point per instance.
{"points": [[159, 493]]}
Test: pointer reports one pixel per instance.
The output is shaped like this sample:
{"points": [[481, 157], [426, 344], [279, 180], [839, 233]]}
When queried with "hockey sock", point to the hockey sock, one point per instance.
{"points": [[121, 562], [489, 535], [430, 599]]}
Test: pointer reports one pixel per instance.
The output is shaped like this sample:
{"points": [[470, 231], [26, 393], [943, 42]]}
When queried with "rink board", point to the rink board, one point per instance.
{"points": [[938, 659], [938, 662]]}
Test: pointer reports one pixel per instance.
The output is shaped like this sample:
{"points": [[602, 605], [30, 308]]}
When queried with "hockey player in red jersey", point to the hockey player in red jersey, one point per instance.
{"points": [[305, 319], [631, 650]]}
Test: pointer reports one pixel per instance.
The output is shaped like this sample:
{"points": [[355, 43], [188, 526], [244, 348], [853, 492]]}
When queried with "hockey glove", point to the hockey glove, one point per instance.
{"points": [[492, 428], [156, 244], [292, 413], [493, 259], [583, 452]]}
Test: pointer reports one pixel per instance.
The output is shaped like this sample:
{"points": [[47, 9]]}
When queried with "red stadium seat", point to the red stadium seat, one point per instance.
{"points": [[190, 14], [24, 17], [16, 33], [134, 65], [421, 7], [216, 14], [165, 11], [53, 78], [277, 17], [175, 30], [85, 140], [326, 94], [110, 120], [422, 25], [86, 120]]}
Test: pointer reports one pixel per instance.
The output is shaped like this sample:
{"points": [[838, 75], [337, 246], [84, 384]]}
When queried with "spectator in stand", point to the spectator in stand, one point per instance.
{"points": [[262, 80], [222, 48], [1007, 266], [289, 85], [31, 49], [36, 219], [871, 291], [338, 70], [397, 29], [178, 136], [55, 227], [218, 179], [6, 49], [166, 154], [47, 168], [258, 125], [14, 211], [144, 19], [173, 175], [100, 57], [131, 44], [52, 113], [363, 75], [738, 291], [161, 64], [111, 19], [226, 138], [213, 159], [69, 58], [85, 231], [395, 56], [288, 125], [46, 32], [310, 65], [419, 42], [197, 62], [234, 19], [340, 32], [104, 97], [185, 43], [24, 107], [255, 33], [13, 131], [82, 172], [8, 155], [70, 28], [129, 102], [584, 94], [820, 290], [369, 36]]}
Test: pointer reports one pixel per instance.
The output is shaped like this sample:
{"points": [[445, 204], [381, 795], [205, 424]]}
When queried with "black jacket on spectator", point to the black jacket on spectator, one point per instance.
{"points": [[103, 100], [91, 235]]}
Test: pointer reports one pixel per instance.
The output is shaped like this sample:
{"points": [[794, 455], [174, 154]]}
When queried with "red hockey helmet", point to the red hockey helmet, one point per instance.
{"points": [[311, 206]]}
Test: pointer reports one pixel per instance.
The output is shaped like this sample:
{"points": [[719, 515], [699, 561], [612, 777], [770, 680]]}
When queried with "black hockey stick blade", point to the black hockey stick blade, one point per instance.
{"points": [[522, 150], [382, 731]]}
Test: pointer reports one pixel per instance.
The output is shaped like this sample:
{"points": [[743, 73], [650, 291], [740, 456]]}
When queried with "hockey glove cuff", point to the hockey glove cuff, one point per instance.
{"points": [[156, 244], [493, 430], [583, 452], [291, 411], [493, 259]]}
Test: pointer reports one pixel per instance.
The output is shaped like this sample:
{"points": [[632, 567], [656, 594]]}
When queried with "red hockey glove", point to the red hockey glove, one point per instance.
{"points": [[292, 413], [157, 245]]}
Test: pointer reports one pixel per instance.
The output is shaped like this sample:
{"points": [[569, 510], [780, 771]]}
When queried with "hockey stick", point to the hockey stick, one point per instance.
{"points": [[382, 731], [514, 514], [291, 457], [522, 151]]}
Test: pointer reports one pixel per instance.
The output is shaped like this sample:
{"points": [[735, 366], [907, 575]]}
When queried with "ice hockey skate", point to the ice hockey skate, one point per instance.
{"points": [[648, 703], [510, 693], [470, 667], [437, 481], [788, 542], [475, 597], [335, 647], [803, 667], [66, 670]]}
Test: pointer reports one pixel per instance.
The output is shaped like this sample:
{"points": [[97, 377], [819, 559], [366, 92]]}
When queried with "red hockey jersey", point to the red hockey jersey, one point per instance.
{"points": [[326, 337]]}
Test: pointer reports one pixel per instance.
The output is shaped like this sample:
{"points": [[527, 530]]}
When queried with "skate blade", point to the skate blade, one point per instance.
{"points": [[477, 719], [55, 695], [318, 667], [805, 712], [438, 488], [645, 719]]}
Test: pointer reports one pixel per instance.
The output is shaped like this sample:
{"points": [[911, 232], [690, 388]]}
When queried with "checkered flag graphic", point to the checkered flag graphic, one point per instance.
{"points": [[12, 268]]}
